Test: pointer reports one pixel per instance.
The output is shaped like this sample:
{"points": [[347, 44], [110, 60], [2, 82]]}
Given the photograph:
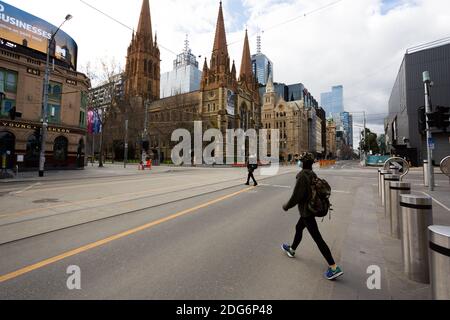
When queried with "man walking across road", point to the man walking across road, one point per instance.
{"points": [[251, 167], [301, 197]]}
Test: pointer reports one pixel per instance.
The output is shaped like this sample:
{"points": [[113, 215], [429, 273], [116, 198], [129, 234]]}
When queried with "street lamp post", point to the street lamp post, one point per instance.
{"points": [[45, 105], [427, 83], [299, 127]]}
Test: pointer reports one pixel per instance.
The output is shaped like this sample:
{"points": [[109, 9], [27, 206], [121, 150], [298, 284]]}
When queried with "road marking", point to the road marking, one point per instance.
{"points": [[72, 203], [274, 186], [438, 202], [26, 189], [124, 234], [340, 191], [87, 185], [289, 187]]}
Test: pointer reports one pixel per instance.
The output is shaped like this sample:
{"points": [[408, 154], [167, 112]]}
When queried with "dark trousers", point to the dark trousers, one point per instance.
{"points": [[250, 176], [311, 224]]}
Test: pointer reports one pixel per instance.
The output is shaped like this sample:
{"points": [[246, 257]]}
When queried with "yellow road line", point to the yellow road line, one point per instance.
{"points": [[99, 243]]}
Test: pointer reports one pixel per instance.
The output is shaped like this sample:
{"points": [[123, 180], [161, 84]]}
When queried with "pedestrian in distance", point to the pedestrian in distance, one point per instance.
{"points": [[311, 196], [251, 167]]}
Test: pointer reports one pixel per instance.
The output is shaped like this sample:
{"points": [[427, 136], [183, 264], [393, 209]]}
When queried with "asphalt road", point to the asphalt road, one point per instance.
{"points": [[219, 244]]}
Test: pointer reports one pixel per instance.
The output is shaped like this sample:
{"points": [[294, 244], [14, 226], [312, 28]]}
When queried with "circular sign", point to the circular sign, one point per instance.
{"points": [[445, 166], [398, 163]]}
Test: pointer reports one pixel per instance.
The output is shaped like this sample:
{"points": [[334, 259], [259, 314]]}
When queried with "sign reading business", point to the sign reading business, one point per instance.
{"points": [[26, 30]]}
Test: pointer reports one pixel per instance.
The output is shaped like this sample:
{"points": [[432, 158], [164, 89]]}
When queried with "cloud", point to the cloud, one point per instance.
{"points": [[357, 43]]}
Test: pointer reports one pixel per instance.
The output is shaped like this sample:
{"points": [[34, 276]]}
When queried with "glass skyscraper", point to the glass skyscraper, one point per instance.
{"points": [[262, 67], [185, 76], [344, 122], [333, 102]]}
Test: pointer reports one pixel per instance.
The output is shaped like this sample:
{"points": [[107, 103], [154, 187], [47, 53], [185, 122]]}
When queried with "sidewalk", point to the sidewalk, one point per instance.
{"points": [[111, 170], [89, 172]]}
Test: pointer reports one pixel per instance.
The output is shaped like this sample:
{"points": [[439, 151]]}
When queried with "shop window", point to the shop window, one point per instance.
{"points": [[32, 152], [7, 149], [60, 149]]}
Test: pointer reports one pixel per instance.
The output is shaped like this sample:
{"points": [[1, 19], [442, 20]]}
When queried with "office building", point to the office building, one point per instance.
{"points": [[333, 102], [22, 70], [403, 136], [185, 76]]}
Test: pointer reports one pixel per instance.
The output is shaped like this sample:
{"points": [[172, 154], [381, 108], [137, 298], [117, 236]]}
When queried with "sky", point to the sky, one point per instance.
{"points": [[359, 44]]}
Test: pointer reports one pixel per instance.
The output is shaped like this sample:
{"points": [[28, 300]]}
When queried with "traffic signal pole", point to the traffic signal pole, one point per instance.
{"points": [[427, 81]]}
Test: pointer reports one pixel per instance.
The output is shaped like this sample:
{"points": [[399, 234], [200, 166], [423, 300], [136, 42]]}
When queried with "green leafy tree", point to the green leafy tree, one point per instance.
{"points": [[371, 144]]}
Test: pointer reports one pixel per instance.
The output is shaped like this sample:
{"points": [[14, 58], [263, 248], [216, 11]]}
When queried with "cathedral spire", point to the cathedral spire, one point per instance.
{"points": [[270, 87], [143, 60], [246, 73], [220, 40], [145, 22]]}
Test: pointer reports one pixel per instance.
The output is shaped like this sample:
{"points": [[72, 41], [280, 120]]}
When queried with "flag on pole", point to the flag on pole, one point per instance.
{"points": [[90, 125]]}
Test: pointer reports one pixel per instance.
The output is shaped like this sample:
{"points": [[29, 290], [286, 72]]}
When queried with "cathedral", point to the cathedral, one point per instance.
{"points": [[225, 100]]}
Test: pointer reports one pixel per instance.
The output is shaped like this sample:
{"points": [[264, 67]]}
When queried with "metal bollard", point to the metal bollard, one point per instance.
{"points": [[383, 173], [396, 189], [417, 216], [379, 183], [440, 262], [388, 178], [394, 170], [425, 173]]}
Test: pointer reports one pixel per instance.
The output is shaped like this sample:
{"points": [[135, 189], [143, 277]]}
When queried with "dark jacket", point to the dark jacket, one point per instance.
{"points": [[302, 193], [251, 167]]}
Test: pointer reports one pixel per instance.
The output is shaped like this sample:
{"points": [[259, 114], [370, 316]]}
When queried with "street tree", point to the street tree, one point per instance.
{"points": [[103, 101], [371, 145]]}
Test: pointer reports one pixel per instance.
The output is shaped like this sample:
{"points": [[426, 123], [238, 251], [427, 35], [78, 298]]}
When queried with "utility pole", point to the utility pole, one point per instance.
{"points": [[365, 138], [428, 110], [125, 150], [45, 104], [93, 148], [100, 157], [145, 131]]}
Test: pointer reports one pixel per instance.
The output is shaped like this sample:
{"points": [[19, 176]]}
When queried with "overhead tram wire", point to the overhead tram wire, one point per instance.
{"points": [[304, 15], [121, 23]]}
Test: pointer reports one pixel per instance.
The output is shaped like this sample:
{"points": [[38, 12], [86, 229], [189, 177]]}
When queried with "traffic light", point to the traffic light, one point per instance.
{"points": [[422, 120], [443, 117], [433, 119]]}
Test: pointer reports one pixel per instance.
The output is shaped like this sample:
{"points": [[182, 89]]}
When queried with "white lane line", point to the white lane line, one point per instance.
{"points": [[275, 186], [340, 191], [26, 189], [438, 202]]}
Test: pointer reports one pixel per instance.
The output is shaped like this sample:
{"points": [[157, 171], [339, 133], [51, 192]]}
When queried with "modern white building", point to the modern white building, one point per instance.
{"points": [[185, 76]]}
